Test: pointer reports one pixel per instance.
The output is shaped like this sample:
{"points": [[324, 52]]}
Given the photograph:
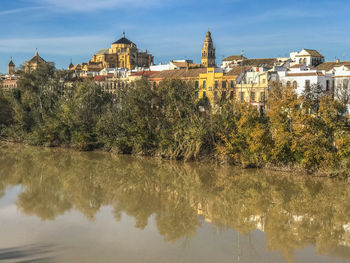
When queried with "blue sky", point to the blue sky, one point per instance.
{"points": [[75, 29]]}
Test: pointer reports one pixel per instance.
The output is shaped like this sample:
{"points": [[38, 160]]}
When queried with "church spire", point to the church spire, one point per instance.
{"points": [[11, 67], [208, 51]]}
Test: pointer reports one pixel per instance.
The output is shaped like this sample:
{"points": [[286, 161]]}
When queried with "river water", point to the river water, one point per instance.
{"points": [[59, 205]]}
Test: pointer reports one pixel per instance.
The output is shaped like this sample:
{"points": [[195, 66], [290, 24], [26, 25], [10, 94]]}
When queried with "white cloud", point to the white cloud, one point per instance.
{"points": [[19, 10], [93, 5]]}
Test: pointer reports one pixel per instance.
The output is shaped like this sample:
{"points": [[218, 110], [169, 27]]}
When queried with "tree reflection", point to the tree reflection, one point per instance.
{"points": [[294, 212]]}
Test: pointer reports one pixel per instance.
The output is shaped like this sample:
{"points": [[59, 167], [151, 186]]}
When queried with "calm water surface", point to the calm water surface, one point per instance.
{"points": [[63, 206]]}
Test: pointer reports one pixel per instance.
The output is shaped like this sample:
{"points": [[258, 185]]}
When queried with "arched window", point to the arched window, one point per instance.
{"points": [[295, 84], [288, 83]]}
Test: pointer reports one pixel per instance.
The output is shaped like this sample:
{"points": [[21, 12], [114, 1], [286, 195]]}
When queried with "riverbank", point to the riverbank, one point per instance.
{"points": [[203, 160], [171, 123]]}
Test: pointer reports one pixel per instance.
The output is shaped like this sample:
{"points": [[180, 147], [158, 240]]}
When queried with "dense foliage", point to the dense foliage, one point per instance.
{"points": [[308, 132]]}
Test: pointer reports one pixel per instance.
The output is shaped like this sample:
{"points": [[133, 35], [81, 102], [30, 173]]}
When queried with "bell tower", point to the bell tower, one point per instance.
{"points": [[11, 68], [208, 52]]}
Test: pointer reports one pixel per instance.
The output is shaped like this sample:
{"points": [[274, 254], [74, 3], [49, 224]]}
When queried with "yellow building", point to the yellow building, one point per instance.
{"points": [[215, 84], [211, 83], [34, 63], [253, 87], [122, 54]]}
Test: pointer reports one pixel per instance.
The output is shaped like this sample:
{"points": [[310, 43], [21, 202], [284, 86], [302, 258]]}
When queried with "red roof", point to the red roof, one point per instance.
{"points": [[103, 77], [143, 73]]}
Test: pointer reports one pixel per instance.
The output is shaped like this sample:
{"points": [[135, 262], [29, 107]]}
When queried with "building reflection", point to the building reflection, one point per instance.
{"points": [[293, 212]]}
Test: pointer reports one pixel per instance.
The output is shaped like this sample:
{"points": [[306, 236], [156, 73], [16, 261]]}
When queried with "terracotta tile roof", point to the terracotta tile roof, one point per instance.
{"points": [[259, 62], [143, 73], [103, 77], [312, 52], [76, 67], [304, 74], [179, 73], [236, 71], [185, 65], [330, 65], [234, 57], [297, 66]]}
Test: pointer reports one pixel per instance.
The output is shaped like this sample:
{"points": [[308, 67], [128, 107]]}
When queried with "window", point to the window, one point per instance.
{"points": [[216, 84], [215, 94], [262, 96], [288, 83], [327, 85], [224, 84], [204, 94], [196, 94], [204, 84], [223, 95], [252, 96], [295, 84], [242, 96], [154, 85], [196, 84], [231, 95], [232, 84], [307, 83]]}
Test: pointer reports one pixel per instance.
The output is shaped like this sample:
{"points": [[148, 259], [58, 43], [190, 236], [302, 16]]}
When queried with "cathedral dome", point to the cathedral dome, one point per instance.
{"points": [[124, 41]]}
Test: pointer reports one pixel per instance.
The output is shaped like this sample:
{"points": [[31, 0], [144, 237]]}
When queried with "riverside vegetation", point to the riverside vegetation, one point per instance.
{"points": [[310, 132]]}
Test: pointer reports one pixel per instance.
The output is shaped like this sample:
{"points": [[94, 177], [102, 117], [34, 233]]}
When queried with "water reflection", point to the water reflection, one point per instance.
{"points": [[294, 212]]}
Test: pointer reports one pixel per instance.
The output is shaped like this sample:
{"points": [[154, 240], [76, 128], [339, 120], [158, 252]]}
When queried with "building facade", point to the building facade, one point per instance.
{"points": [[34, 63], [122, 54]]}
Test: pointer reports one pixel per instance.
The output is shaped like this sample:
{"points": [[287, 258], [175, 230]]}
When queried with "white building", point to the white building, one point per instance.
{"points": [[159, 67], [301, 76], [307, 57], [232, 61], [341, 75]]}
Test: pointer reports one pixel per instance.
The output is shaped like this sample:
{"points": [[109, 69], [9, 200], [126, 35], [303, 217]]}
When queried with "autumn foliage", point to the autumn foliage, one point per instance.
{"points": [[309, 133]]}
